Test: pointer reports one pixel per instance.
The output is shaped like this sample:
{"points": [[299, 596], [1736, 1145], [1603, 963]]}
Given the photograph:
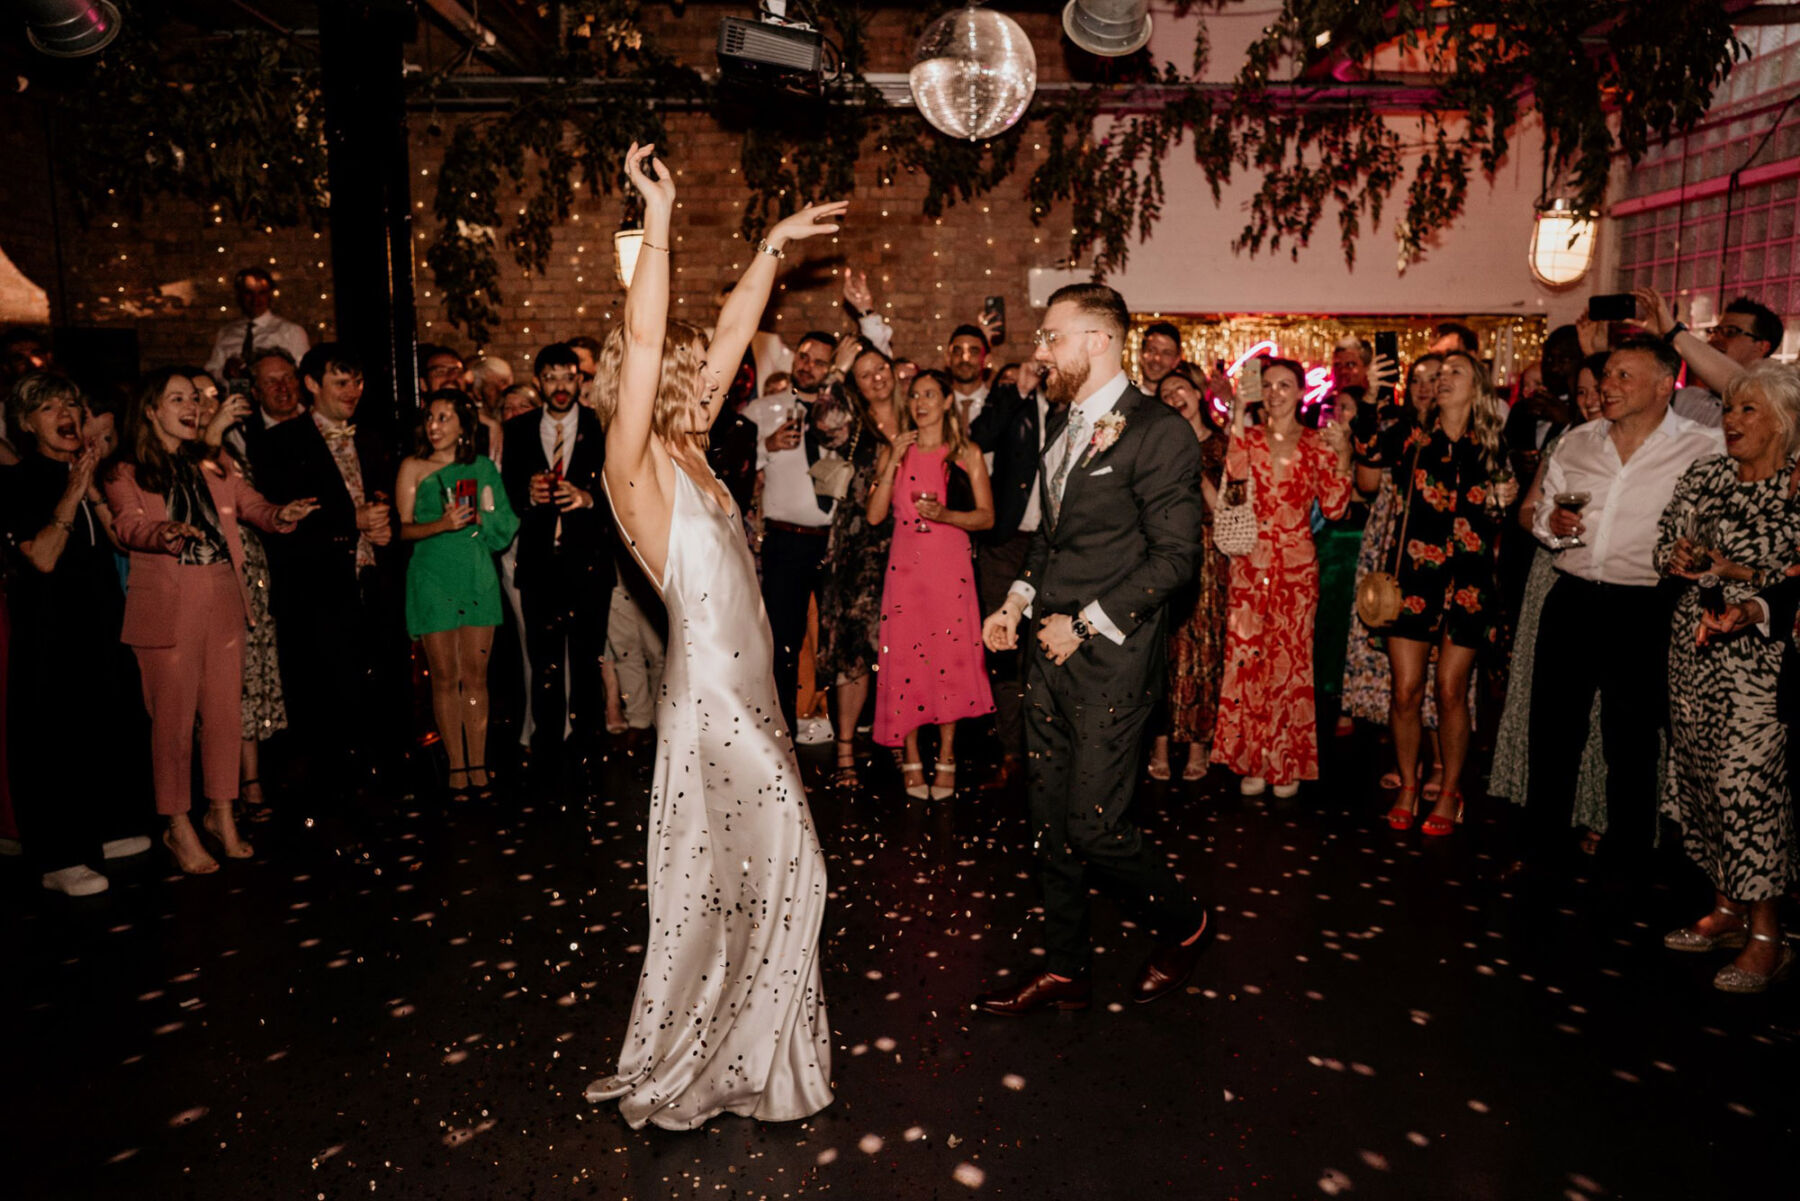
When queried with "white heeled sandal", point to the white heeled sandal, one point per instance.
{"points": [[943, 767], [918, 792]]}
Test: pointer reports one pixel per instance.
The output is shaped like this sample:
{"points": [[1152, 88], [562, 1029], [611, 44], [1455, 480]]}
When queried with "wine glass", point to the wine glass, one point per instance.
{"points": [[1572, 503], [920, 524], [1502, 475]]}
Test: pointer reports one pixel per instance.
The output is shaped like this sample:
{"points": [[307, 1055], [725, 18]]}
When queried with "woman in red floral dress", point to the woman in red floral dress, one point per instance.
{"points": [[1266, 728], [1444, 469]]}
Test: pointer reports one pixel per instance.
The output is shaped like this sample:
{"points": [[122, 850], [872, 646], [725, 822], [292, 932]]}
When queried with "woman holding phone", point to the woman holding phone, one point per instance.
{"points": [[1444, 469], [188, 607], [453, 506]]}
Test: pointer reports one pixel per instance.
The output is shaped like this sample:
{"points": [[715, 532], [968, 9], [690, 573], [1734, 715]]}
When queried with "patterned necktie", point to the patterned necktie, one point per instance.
{"points": [[249, 342], [1071, 447], [556, 465]]}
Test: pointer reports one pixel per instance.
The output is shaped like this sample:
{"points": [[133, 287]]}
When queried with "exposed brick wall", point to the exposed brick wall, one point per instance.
{"points": [[164, 272]]}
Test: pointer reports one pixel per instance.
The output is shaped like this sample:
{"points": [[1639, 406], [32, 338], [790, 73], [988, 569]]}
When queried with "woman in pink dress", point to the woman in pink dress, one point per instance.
{"points": [[930, 670], [1266, 729]]}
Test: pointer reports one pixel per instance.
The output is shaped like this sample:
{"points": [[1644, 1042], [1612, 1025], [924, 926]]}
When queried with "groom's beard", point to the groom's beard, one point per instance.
{"points": [[1060, 386]]}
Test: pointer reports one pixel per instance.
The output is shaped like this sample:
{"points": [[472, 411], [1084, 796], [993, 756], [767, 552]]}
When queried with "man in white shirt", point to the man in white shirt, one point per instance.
{"points": [[1605, 626], [796, 520], [966, 360], [238, 341]]}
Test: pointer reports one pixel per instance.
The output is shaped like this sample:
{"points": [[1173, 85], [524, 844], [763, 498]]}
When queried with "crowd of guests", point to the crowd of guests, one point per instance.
{"points": [[1603, 566]]}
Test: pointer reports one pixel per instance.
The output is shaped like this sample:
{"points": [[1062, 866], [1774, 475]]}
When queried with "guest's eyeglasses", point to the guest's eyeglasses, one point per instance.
{"points": [[1050, 337], [1731, 331]]}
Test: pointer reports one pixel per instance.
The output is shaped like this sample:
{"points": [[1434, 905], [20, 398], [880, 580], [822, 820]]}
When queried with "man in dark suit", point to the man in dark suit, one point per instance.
{"points": [[1010, 427], [335, 599], [1120, 491], [564, 558]]}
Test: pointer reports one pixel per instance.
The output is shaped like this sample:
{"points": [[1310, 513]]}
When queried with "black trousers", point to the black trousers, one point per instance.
{"points": [[996, 567], [790, 575], [1083, 768], [565, 611], [62, 708], [1612, 640], [344, 671]]}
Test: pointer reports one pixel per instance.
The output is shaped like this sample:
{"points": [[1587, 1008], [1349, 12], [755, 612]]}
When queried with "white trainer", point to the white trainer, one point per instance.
{"points": [[124, 848], [78, 881], [813, 731], [11, 846], [1252, 786], [1286, 790]]}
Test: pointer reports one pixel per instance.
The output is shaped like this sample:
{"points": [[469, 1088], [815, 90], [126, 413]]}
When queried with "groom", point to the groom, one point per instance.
{"points": [[1122, 528]]}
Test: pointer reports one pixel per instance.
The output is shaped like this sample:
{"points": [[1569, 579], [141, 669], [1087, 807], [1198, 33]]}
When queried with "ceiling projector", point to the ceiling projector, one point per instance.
{"points": [[767, 52]]}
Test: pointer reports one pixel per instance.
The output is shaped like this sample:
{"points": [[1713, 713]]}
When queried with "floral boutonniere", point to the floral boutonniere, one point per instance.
{"points": [[1106, 432]]}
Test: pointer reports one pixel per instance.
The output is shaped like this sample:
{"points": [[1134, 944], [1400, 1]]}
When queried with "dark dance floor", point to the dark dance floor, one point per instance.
{"points": [[407, 1002]]}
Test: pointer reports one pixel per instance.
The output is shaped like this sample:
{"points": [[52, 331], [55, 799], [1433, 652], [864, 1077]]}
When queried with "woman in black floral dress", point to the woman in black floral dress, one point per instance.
{"points": [[1443, 472], [851, 579]]}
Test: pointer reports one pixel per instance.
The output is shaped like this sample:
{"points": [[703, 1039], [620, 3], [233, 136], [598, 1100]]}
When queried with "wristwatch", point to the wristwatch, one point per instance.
{"points": [[1680, 327], [763, 247], [1079, 624]]}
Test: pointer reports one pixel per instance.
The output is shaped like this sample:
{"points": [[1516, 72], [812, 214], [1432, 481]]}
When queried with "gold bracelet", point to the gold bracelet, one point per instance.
{"points": [[651, 246], [763, 247]]}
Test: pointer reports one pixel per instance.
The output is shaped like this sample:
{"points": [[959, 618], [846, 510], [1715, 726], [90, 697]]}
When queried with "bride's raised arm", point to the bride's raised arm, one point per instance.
{"points": [[743, 309], [646, 322]]}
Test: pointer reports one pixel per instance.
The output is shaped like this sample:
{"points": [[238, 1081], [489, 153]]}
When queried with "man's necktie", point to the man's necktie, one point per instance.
{"points": [[1072, 445], [556, 465], [249, 342]]}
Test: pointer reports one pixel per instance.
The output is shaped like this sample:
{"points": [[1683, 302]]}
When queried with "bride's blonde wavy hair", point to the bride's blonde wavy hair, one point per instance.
{"points": [[681, 393]]}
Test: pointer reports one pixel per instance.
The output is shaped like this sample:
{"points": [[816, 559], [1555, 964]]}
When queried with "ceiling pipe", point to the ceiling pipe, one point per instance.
{"points": [[484, 40], [1109, 28], [70, 28]]}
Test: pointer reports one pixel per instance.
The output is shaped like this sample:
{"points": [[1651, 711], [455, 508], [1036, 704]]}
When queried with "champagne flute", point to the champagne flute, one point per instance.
{"points": [[1572, 503], [1502, 475]]}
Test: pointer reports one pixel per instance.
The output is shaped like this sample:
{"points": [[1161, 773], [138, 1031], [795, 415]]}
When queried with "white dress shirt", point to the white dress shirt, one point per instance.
{"points": [[788, 493], [1034, 509], [547, 424], [1087, 412], [270, 331], [1699, 405], [1626, 499]]}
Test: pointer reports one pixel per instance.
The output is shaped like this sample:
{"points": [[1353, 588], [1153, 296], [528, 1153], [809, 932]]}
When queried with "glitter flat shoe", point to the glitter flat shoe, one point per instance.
{"points": [[1734, 979], [1695, 942]]}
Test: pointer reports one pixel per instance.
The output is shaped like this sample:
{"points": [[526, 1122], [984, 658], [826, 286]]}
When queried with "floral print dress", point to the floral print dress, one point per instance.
{"points": [[1197, 636], [1267, 725], [1446, 565], [851, 578]]}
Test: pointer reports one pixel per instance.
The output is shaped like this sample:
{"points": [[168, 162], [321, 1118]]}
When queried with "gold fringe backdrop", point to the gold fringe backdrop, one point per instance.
{"points": [[1508, 343]]}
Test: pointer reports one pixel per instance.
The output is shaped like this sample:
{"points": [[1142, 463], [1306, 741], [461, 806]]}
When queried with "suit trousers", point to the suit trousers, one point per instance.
{"points": [[996, 567], [344, 669], [635, 650], [1082, 773], [565, 606], [201, 674], [790, 575], [1612, 640]]}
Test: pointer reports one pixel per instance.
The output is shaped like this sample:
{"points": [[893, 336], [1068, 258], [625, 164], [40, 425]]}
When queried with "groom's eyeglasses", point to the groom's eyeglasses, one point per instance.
{"points": [[1050, 337]]}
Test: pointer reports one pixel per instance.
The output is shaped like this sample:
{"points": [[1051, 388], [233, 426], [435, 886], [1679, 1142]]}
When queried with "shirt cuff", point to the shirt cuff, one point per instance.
{"points": [[1100, 623], [1762, 625], [1024, 592], [875, 328]]}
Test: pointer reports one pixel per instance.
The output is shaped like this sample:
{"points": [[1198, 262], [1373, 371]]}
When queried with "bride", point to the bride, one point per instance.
{"points": [[729, 1016]]}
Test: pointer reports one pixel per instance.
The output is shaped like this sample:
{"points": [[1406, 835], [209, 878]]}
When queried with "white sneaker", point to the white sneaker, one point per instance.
{"points": [[11, 846], [78, 881], [124, 848], [1286, 790], [1252, 786], [813, 731]]}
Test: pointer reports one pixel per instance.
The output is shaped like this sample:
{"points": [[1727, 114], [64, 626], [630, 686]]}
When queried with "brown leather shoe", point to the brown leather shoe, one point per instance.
{"points": [[1009, 770], [1169, 966], [1042, 991]]}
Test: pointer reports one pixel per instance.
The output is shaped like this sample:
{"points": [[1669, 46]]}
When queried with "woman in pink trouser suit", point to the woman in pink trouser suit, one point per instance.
{"points": [[187, 604]]}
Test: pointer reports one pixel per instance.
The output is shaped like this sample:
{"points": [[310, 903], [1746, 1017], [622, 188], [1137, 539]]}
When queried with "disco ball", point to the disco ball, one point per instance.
{"points": [[973, 73]]}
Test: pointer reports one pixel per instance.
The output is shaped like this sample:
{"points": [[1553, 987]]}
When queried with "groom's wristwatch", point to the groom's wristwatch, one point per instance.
{"points": [[1082, 629]]}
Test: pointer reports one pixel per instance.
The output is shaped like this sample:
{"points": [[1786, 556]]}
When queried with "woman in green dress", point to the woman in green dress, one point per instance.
{"points": [[453, 507]]}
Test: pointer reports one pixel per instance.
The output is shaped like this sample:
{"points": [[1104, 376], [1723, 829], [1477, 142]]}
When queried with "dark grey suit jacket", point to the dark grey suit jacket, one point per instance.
{"points": [[1129, 536]]}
